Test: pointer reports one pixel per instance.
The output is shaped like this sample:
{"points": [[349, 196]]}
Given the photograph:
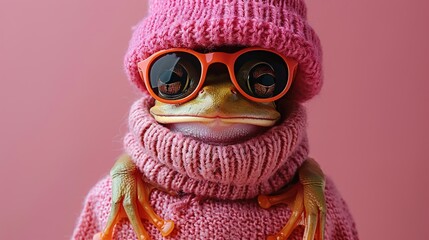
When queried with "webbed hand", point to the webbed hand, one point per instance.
{"points": [[306, 197], [130, 198]]}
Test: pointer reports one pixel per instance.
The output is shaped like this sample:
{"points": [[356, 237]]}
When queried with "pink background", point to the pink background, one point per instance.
{"points": [[64, 101]]}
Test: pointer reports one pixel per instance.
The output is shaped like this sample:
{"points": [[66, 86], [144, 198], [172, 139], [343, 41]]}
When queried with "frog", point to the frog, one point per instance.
{"points": [[218, 115]]}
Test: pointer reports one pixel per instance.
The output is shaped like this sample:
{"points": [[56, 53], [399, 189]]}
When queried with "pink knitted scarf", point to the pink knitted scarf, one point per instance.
{"points": [[260, 165]]}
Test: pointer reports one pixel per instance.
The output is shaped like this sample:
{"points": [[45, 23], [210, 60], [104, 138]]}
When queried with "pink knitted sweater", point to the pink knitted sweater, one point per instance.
{"points": [[219, 183]]}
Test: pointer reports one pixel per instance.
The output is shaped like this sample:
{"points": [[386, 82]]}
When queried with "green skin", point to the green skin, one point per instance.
{"points": [[217, 106]]}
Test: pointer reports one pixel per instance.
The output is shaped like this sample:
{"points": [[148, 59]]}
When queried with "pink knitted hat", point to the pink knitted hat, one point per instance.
{"points": [[280, 25]]}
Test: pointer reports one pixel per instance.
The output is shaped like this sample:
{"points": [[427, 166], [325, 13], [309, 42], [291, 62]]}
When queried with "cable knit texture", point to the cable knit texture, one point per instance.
{"points": [[280, 25], [220, 182]]}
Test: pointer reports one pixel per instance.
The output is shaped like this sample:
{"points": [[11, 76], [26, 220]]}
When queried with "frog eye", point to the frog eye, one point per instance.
{"points": [[173, 82], [262, 76], [262, 80]]}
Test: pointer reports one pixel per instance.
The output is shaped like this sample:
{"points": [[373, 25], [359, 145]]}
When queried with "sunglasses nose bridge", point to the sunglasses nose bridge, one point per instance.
{"points": [[220, 58], [217, 76], [217, 57]]}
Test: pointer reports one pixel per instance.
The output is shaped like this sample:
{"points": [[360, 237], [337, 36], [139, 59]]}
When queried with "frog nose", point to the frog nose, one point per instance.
{"points": [[218, 81]]}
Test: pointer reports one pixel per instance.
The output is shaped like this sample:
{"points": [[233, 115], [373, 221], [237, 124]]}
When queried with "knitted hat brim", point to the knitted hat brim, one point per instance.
{"points": [[294, 38]]}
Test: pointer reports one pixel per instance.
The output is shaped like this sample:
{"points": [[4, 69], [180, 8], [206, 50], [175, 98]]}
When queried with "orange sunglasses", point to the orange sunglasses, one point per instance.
{"points": [[176, 75]]}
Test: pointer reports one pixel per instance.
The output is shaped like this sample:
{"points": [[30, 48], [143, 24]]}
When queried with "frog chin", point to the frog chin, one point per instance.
{"points": [[217, 132]]}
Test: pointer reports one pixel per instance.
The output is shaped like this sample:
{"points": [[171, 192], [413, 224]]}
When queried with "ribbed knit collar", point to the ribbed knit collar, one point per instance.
{"points": [[260, 165]]}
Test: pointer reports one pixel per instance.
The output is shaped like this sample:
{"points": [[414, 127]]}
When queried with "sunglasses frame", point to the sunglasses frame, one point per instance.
{"points": [[206, 59]]}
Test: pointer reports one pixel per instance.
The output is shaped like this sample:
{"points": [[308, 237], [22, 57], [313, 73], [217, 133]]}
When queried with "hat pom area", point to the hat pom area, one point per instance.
{"points": [[280, 25]]}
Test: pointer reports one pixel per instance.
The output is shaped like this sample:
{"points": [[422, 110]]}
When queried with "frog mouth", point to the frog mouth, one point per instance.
{"points": [[216, 120], [217, 131]]}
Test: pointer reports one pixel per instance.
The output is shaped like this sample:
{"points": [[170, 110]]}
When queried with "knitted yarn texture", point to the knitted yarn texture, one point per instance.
{"points": [[280, 25], [219, 184], [216, 204], [197, 219], [260, 165]]}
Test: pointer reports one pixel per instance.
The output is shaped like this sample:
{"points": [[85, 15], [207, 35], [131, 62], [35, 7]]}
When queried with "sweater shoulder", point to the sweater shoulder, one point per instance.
{"points": [[340, 224]]}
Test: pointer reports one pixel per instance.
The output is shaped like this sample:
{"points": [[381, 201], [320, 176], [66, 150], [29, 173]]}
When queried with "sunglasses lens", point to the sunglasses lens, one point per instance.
{"points": [[261, 74], [175, 75]]}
